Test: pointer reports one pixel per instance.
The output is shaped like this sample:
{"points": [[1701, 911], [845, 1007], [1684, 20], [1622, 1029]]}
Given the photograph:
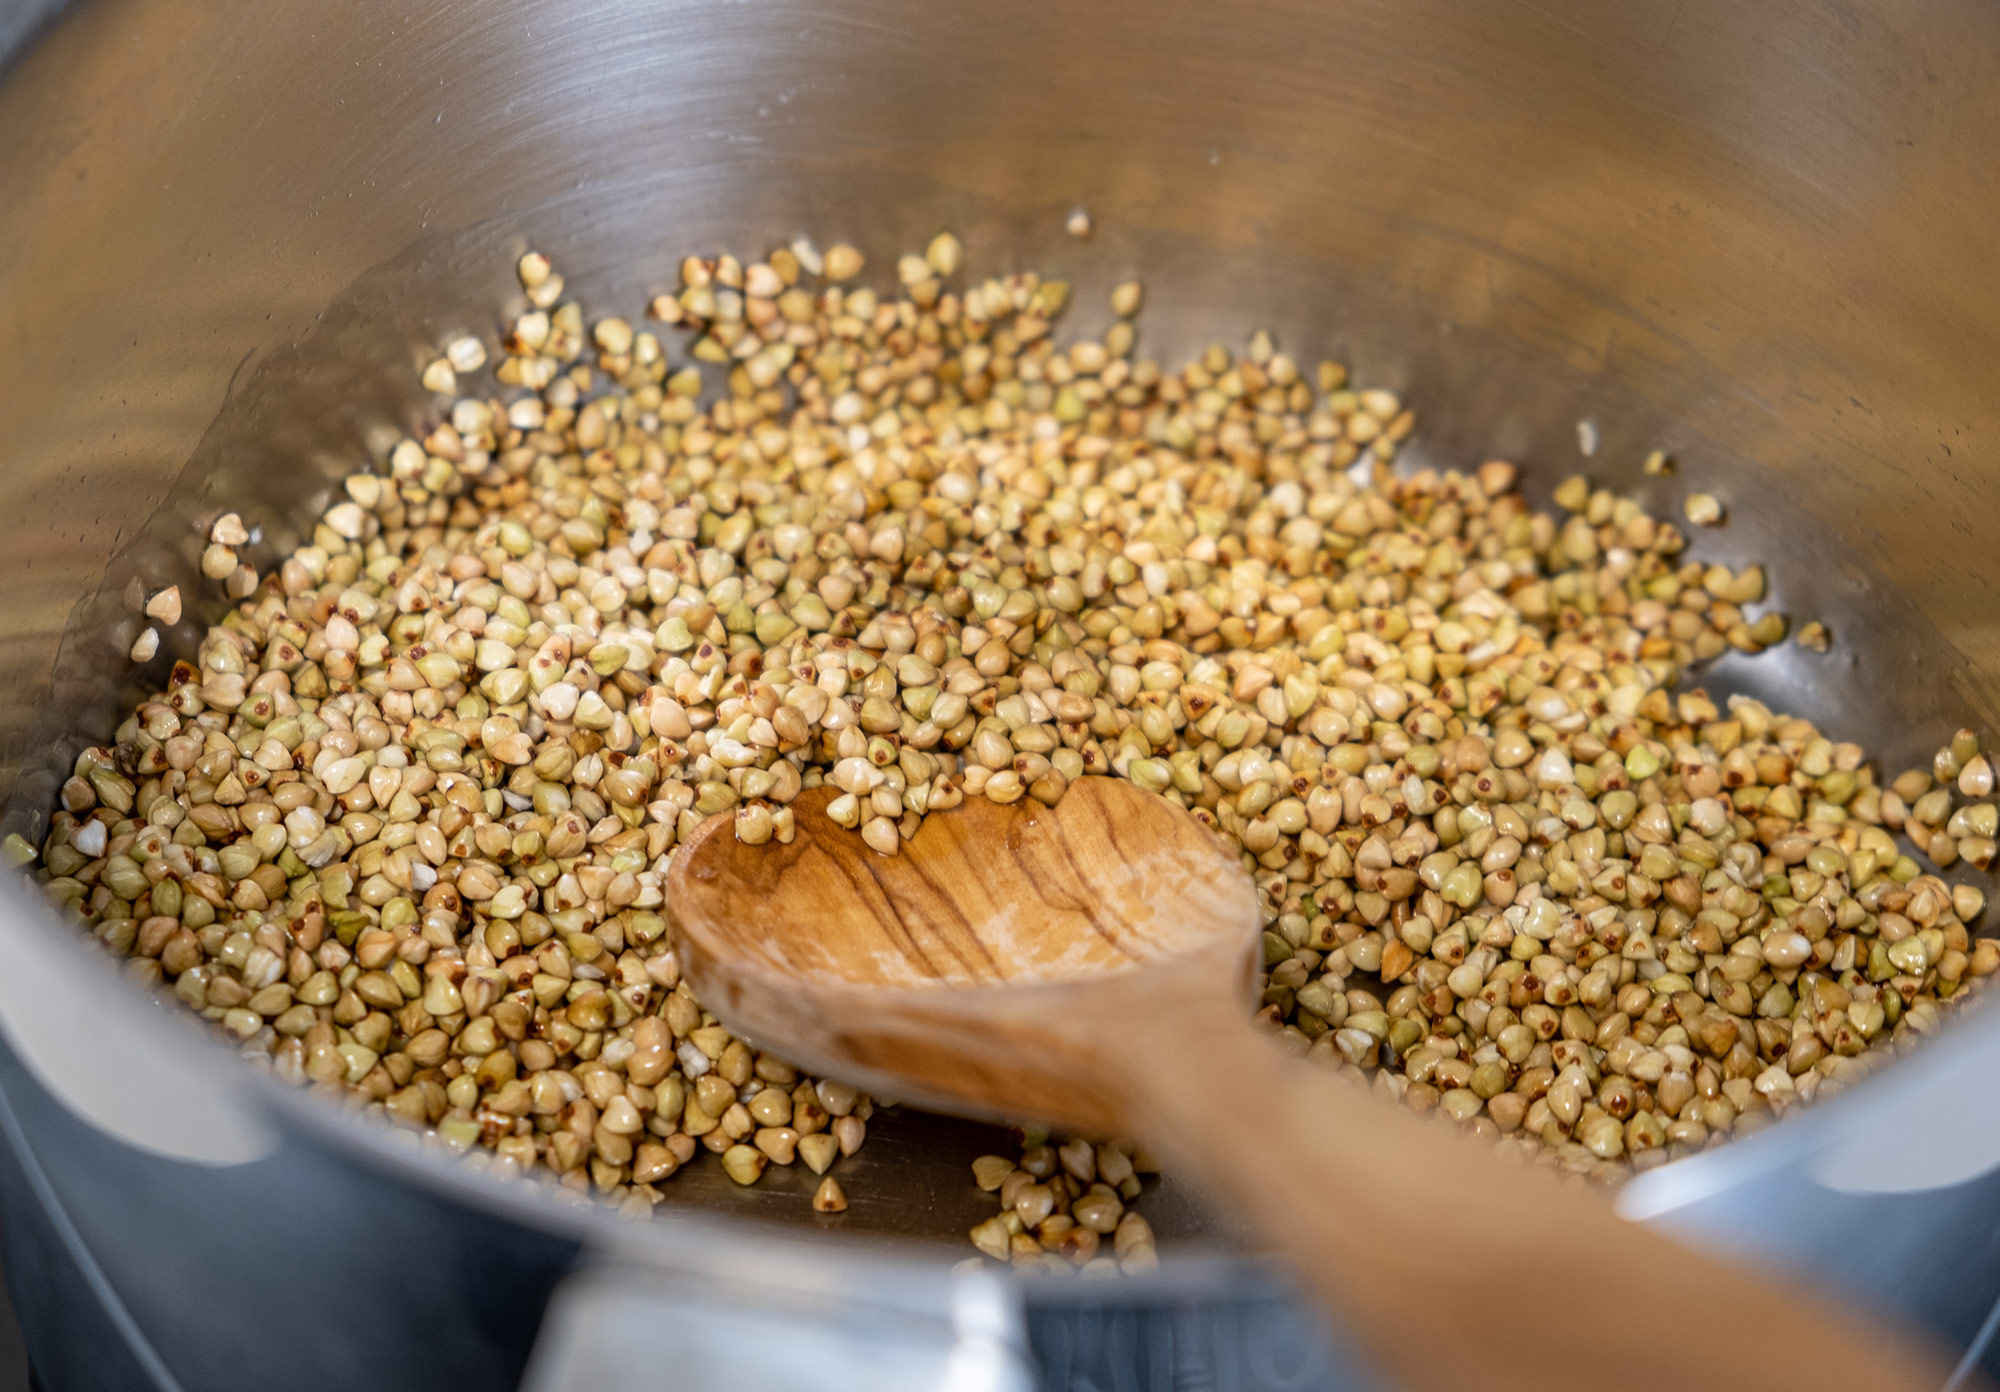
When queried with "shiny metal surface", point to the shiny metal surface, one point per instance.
{"points": [[1757, 236], [968, 1334]]}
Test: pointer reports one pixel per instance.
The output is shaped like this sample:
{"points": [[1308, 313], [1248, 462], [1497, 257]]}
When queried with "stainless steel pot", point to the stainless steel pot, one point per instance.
{"points": [[1757, 236]]}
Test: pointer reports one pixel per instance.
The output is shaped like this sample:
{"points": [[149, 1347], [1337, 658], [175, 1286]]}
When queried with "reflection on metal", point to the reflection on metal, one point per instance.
{"points": [[1936, 1124], [622, 1327], [134, 1073], [989, 1350], [1930, 1123]]}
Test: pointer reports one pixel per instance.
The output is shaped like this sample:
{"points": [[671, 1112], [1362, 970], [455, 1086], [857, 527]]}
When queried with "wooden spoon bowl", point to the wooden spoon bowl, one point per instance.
{"points": [[947, 977]]}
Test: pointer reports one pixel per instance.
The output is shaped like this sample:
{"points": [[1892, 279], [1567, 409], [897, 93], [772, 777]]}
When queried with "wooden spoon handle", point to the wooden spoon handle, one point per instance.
{"points": [[1453, 1267]]}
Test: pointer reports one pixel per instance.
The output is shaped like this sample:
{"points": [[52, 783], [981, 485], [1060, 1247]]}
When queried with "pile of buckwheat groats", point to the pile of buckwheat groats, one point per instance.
{"points": [[400, 826]]}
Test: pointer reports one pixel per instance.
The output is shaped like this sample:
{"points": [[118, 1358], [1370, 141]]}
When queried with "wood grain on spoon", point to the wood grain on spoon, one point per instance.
{"points": [[1092, 965]]}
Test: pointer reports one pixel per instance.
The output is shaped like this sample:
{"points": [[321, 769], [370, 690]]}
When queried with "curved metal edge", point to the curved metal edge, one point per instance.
{"points": [[141, 1075], [1932, 1113], [181, 1062]]}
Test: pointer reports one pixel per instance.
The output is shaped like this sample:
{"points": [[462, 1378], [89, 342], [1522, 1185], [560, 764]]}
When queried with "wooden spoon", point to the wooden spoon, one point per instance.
{"points": [[1091, 966]]}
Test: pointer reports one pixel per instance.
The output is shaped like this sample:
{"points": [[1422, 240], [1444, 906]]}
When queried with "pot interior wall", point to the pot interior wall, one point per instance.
{"points": [[1754, 237]]}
